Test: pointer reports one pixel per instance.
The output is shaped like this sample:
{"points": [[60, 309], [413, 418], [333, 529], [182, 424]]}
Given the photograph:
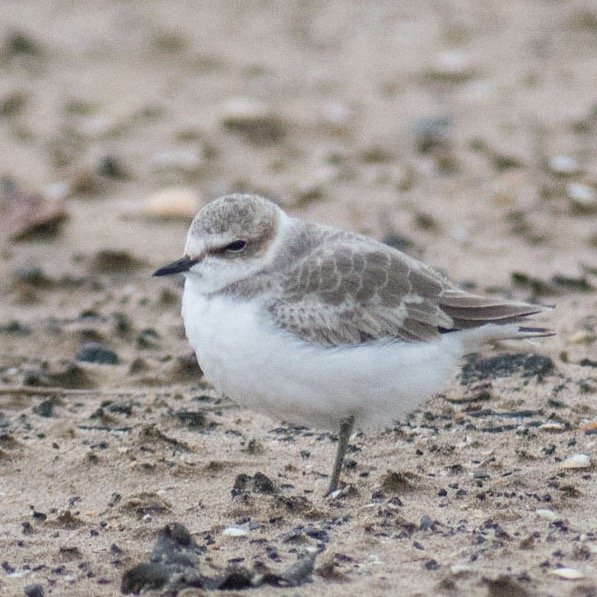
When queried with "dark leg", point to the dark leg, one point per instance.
{"points": [[346, 426]]}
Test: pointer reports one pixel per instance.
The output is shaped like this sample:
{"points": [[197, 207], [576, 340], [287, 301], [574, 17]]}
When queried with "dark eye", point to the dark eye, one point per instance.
{"points": [[237, 246]]}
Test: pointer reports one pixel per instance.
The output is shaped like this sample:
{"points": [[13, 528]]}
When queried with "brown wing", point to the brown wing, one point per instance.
{"points": [[357, 291], [348, 293]]}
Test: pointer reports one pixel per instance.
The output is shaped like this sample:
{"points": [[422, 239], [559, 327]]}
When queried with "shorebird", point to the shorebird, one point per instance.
{"points": [[322, 327]]}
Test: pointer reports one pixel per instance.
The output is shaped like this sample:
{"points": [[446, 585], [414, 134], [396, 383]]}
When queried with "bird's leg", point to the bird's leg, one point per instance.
{"points": [[346, 426]]}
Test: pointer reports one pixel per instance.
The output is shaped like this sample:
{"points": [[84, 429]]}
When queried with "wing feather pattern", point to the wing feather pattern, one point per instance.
{"points": [[348, 290]]}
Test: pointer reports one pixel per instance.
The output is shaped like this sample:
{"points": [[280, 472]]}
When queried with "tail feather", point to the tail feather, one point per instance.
{"points": [[474, 338], [469, 312]]}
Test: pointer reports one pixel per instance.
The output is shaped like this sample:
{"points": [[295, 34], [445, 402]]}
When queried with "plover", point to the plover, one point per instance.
{"points": [[322, 327]]}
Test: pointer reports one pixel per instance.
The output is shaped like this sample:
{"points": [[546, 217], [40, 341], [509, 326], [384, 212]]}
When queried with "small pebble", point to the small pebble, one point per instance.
{"points": [[110, 261], [576, 461], [432, 133], [432, 565], [18, 42], [112, 167]]}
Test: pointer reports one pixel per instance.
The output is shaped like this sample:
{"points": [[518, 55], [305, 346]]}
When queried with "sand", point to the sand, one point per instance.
{"points": [[462, 132]]}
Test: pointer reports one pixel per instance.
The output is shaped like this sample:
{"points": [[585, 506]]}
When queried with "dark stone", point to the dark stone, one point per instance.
{"points": [[427, 523], [147, 338], [115, 498], [193, 419], [114, 549], [27, 528], [122, 408], [111, 167], [137, 366], [260, 129], [504, 586], [32, 276], [68, 374], [186, 368], [579, 284], [21, 43], [264, 484], [34, 591], [109, 261], [260, 483], [172, 566], [15, 327], [506, 365], [145, 577], [432, 134], [44, 409], [122, 324], [397, 482], [94, 352], [174, 556], [235, 578]]}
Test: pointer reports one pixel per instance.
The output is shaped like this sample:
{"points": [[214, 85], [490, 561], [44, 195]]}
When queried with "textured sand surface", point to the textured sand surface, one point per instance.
{"points": [[465, 132]]}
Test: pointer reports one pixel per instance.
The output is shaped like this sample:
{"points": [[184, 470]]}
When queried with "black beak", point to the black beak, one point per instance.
{"points": [[176, 267]]}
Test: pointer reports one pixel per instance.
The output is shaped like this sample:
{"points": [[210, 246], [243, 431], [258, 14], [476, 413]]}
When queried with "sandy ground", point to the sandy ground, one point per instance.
{"points": [[463, 131]]}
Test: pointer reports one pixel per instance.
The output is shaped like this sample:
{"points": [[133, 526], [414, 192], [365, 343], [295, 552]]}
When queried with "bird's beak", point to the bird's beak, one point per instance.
{"points": [[176, 267]]}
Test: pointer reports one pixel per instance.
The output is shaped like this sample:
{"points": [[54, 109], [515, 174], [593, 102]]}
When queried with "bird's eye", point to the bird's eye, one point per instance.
{"points": [[237, 246]]}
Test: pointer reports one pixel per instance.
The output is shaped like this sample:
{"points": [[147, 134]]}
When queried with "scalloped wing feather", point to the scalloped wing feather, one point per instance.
{"points": [[349, 289]]}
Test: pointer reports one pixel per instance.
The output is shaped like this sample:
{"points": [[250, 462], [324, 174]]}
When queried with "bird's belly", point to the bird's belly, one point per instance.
{"points": [[264, 368]]}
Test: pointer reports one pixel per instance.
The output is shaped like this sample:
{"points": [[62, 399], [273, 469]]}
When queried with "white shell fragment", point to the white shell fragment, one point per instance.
{"points": [[546, 514], [173, 203], [563, 165], [567, 573], [235, 532], [240, 111], [555, 427], [576, 461], [461, 569]]}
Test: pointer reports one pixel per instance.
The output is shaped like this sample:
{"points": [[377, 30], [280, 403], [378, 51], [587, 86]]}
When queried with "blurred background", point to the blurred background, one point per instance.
{"points": [[343, 110]]}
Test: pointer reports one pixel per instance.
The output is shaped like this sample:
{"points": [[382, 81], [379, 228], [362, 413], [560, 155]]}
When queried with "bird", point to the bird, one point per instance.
{"points": [[323, 327]]}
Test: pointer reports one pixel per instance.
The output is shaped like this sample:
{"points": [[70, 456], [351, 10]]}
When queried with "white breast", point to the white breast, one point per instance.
{"points": [[250, 360]]}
